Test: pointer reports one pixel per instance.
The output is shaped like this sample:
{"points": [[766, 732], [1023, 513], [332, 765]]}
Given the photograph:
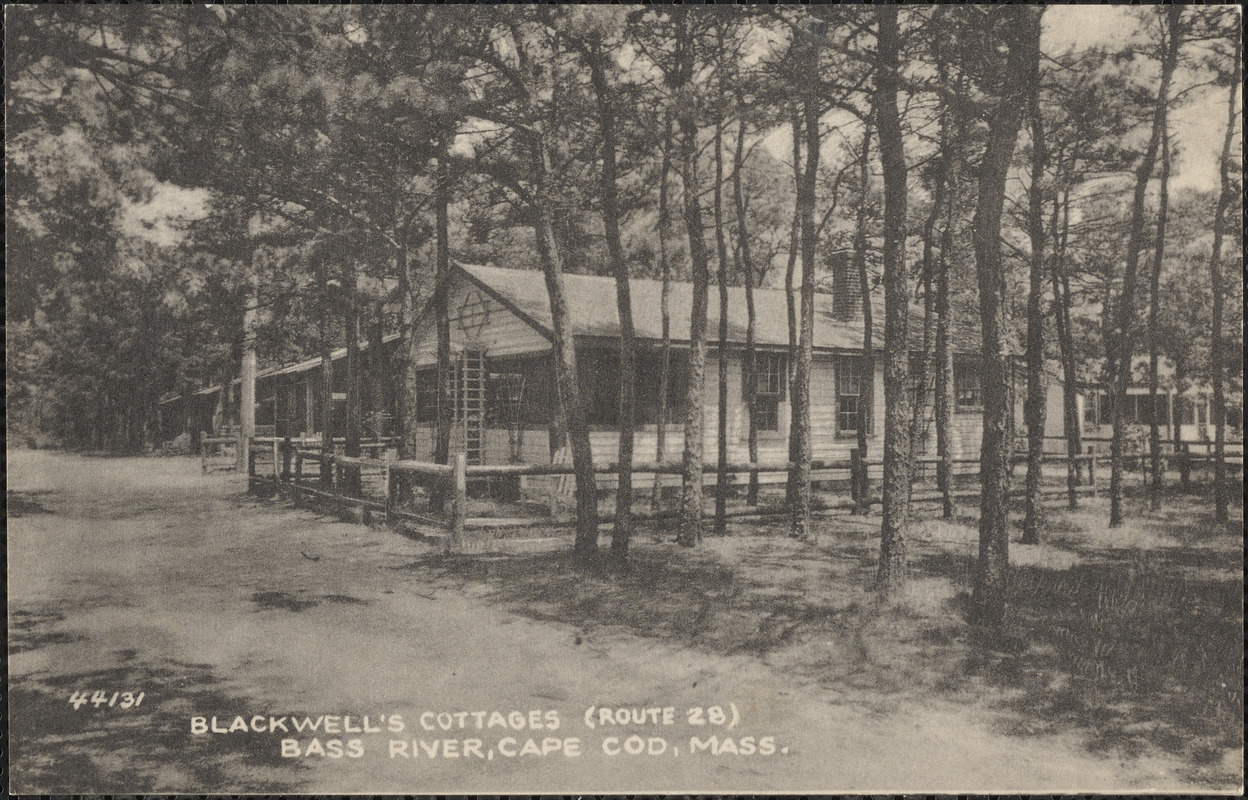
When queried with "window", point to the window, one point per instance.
{"points": [[853, 392], [648, 383], [427, 395], [599, 373], [266, 408], [928, 398], [1137, 409], [1193, 411], [504, 399], [770, 376], [1096, 408], [1091, 403], [1145, 407], [521, 391], [967, 393]]}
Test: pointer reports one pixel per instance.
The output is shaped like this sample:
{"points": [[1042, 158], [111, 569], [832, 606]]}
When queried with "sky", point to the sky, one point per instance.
{"points": [[1198, 125]]}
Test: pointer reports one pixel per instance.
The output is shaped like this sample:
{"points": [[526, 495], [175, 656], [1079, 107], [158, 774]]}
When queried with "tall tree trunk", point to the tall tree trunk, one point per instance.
{"points": [[624, 305], [378, 381], [221, 412], [923, 381], [721, 356], [866, 398], [665, 344], [799, 475], [407, 427], [442, 314], [247, 373], [351, 475], [585, 546], [1180, 447], [891, 574], [689, 530], [944, 335], [1154, 312], [1034, 406], [327, 370], [790, 271], [1066, 343], [993, 564], [749, 377], [1216, 356], [1122, 340]]}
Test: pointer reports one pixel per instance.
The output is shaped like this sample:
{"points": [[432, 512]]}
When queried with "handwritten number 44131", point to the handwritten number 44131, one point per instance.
{"points": [[106, 699]]}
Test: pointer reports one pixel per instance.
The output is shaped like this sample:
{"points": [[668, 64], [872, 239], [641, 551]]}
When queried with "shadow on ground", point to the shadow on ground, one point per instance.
{"points": [[23, 504], [1129, 648], [142, 749]]}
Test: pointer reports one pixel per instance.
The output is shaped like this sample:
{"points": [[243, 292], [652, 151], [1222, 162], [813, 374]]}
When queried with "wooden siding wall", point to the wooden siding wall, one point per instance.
{"points": [[533, 444], [502, 334], [828, 444], [478, 321]]}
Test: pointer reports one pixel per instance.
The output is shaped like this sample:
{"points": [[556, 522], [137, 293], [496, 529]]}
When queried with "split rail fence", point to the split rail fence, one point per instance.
{"points": [[390, 489]]}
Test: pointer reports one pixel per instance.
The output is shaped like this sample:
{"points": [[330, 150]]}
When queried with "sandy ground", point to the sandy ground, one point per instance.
{"points": [[142, 575]]}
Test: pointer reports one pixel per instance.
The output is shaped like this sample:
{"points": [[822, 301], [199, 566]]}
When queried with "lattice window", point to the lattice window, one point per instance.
{"points": [[967, 387], [770, 377], [853, 393]]}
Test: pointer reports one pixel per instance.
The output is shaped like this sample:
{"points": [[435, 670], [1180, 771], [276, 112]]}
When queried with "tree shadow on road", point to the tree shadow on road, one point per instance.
{"points": [[808, 610], [1125, 648], [57, 748], [1133, 647], [24, 504]]}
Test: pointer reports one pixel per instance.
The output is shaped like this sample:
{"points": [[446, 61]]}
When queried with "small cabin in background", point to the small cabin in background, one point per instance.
{"points": [[1188, 410], [503, 384]]}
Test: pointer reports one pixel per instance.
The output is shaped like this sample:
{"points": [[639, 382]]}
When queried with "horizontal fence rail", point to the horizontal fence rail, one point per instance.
{"points": [[341, 478]]}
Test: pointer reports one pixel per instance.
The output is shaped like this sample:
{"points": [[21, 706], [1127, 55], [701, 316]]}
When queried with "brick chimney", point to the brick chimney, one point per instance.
{"points": [[846, 290]]}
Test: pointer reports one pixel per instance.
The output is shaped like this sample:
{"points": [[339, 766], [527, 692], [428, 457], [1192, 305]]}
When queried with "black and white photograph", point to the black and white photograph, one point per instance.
{"points": [[631, 399]]}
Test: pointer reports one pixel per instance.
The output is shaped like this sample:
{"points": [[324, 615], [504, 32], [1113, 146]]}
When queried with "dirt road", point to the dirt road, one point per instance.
{"points": [[141, 575]]}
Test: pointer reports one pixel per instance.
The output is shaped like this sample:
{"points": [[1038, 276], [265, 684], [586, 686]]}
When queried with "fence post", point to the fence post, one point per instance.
{"points": [[386, 477], [459, 502], [1092, 469], [298, 468], [855, 465], [203, 452], [286, 459]]}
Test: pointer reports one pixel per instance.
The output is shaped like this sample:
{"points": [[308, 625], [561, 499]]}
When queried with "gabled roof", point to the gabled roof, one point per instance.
{"points": [[592, 311]]}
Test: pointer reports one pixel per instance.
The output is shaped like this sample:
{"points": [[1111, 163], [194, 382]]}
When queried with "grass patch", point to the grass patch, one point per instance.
{"points": [[1135, 652], [1128, 639]]}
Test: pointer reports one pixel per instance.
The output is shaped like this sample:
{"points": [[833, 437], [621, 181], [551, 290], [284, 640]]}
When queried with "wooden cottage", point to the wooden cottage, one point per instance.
{"points": [[504, 390], [504, 395], [1187, 412]]}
